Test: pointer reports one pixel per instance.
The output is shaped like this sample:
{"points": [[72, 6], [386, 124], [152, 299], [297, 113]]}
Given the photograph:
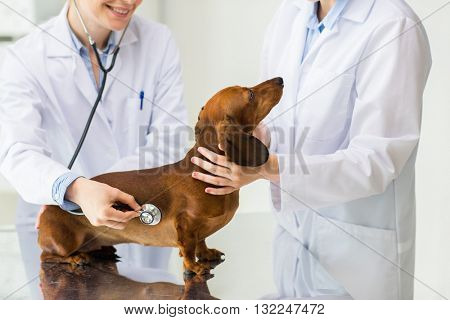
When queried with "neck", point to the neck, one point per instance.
{"points": [[98, 33], [324, 8]]}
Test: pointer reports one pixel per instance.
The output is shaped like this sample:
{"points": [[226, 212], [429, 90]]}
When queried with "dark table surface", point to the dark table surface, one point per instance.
{"points": [[245, 274], [102, 281]]}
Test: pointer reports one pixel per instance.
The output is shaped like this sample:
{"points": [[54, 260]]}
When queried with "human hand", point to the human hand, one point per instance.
{"points": [[229, 176], [97, 199]]}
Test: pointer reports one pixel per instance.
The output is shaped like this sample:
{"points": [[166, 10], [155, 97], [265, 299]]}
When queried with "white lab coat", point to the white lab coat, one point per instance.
{"points": [[347, 150], [46, 96]]}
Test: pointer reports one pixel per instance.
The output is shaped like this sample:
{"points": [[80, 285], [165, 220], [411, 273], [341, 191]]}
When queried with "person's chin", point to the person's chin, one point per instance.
{"points": [[117, 26]]}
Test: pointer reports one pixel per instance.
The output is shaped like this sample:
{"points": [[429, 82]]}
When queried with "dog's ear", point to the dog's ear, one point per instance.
{"points": [[241, 147], [200, 125]]}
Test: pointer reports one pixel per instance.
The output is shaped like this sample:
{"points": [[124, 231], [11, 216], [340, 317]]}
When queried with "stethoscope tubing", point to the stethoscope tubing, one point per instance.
{"points": [[97, 101]]}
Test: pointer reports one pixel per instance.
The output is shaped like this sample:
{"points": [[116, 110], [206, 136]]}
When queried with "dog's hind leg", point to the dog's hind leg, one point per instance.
{"points": [[59, 241], [105, 254]]}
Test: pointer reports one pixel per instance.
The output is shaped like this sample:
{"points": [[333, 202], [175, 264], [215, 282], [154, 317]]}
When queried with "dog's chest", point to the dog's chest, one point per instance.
{"points": [[223, 212]]}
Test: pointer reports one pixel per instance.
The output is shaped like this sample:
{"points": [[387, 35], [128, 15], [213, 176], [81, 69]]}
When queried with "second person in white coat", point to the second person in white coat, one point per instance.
{"points": [[343, 140]]}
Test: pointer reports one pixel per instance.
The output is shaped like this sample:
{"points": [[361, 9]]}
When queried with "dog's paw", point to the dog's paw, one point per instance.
{"points": [[105, 254], [80, 259], [76, 260], [211, 255]]}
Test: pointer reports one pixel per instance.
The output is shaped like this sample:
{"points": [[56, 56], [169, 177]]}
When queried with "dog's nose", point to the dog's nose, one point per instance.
{"points": [[279, 81]]}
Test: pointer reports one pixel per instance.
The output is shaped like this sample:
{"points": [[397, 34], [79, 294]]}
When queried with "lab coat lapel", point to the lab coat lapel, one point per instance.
{"points": [[59, 53], [115, 73], [82, 80], [312, 54], [60, 46], [356, 11], [307, 67], [289, 68]]}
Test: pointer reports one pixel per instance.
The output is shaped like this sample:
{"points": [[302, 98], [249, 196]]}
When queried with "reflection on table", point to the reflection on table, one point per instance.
{"points": [[102, 281]]}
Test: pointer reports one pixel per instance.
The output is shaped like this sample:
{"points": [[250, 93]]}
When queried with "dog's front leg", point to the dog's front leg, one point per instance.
{"points": [[187, 243], [187, 247], [204, 254]]}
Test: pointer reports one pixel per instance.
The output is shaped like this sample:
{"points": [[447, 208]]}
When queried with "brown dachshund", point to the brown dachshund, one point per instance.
{"points": [[189, 214]]}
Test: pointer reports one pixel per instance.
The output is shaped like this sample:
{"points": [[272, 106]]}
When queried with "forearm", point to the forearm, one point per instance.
{"points": [[362, 170], [32, 174]]}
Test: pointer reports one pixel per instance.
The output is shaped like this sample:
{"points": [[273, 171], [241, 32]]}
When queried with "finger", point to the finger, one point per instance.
{"points": [[214, 157], [217, 181], [127, 199], [211, 168], [114, 225], [129, 215], [120, 216], [220, 191]]}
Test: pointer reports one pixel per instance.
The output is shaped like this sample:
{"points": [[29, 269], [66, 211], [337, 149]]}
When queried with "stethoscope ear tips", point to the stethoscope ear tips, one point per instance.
{"points": [[150, 215]]}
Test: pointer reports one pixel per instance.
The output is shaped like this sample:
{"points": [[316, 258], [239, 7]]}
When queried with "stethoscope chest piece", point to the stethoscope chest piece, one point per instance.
{"points": [[150, 215]]}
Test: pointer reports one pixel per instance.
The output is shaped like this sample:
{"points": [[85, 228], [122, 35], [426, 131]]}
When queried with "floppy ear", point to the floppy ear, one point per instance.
{"points": [[240, 147]]}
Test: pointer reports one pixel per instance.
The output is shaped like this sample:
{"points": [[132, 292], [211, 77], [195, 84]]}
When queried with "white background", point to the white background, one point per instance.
{"points": [[220, 42]]}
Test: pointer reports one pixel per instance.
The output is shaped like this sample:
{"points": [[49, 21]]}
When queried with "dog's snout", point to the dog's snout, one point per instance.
{"points": [[279, 81]]}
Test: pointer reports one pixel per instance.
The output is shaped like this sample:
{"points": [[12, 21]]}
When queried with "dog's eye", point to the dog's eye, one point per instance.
{"points": [[251, 95]]}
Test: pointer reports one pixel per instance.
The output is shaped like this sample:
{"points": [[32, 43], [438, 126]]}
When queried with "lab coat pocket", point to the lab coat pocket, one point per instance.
{"points": [[324, 106], [137, 122], [362, 259]]}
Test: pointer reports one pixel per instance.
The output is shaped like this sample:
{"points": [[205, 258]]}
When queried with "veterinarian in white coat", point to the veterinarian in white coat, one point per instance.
{"points": [[343, 140], [46, 94]]}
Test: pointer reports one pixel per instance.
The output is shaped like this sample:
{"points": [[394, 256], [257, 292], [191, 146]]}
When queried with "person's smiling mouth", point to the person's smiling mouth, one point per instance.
{"points": [[119, 12]]}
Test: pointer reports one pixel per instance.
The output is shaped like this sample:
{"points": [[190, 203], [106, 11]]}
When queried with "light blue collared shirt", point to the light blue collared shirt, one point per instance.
{"points": [[315, 28], [61, 184], [84, 54]]}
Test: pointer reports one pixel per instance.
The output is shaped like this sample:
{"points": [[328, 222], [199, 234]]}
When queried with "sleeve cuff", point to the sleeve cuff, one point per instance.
{"points": [[59, 191], [287, 195]]}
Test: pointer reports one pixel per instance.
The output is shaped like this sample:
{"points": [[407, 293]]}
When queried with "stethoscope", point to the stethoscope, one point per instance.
{"points": [[149, 214]]}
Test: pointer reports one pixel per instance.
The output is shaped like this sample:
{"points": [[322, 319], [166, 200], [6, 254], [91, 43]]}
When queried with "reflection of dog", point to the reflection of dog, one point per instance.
{"points": [[189, 214], [100, 281]]}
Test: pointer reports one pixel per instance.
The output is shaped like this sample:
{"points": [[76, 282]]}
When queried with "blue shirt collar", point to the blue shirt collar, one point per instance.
{"points": [[79, 47], [330, 20]]}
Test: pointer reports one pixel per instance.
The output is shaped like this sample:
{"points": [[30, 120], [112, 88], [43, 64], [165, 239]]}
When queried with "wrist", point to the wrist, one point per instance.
{"points": [[73, 192], [270, 170]]}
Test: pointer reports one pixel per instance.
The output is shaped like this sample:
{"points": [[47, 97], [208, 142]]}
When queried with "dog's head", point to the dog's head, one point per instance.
{"points": [[230, 117]]}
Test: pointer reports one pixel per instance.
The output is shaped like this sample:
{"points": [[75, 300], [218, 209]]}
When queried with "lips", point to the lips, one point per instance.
{"points": [[119, 12]]}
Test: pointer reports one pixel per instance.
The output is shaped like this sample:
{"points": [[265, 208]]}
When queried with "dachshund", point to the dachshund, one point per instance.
{"points": [[189, 214]]}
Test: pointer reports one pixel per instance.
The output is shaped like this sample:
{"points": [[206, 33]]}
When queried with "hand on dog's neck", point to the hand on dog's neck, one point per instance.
{"points": [[208, 139]]}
